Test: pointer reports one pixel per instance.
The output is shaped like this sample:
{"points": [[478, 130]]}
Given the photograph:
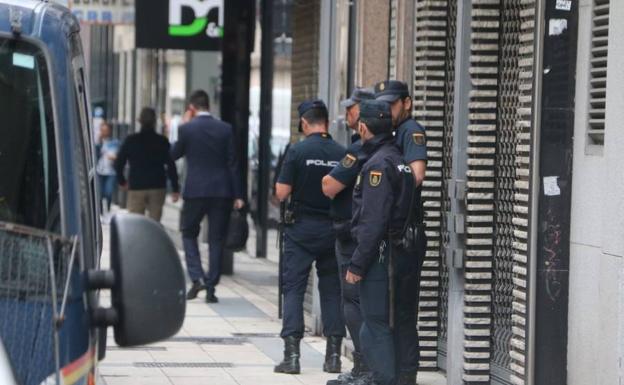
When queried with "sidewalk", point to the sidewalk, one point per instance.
{"points": [[234, 342]]}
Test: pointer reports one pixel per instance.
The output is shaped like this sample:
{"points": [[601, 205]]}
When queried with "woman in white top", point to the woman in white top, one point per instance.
{"points": [[106, 151]]}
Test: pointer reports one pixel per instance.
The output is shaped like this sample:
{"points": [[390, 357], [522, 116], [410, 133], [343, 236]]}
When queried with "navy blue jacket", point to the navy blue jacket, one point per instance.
{"points": [[381, 200], [306, 163], [212, 166], [346, 173]]}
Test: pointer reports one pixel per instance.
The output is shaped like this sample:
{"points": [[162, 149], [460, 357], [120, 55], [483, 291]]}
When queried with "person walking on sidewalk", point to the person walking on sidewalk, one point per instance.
{"points": [[309, 238], [106, 152], [147, 153], [212, 188]]}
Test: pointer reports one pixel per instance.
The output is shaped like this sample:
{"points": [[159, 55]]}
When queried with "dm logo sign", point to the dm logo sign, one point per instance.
{"points": [[180, 24], [200, 23]]}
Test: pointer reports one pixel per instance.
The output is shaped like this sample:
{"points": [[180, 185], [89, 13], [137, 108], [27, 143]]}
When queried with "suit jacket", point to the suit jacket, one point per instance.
{"points": [[212, 166]]}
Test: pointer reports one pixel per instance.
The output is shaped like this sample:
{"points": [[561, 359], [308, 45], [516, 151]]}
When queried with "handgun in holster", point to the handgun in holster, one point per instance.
{"points": [[287, 218]]}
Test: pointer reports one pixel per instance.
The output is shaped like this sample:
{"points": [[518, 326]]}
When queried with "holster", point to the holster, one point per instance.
{"points": [[412, 239]]}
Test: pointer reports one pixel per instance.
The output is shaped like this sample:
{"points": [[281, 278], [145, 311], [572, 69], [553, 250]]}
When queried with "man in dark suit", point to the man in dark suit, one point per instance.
{"points": [[212, 188]]}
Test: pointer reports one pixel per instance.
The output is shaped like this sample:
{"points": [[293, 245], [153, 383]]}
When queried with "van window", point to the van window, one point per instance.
{"points": [[29, 185]]}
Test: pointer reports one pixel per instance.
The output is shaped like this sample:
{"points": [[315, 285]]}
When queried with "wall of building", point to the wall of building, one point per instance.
{"points": [[305, 57], [373, 31], [597, 246]]}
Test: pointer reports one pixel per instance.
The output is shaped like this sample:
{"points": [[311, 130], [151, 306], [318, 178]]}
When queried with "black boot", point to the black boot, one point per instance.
{"points": [[194, 290], [407, 379], [332, 355], [290, 365]]}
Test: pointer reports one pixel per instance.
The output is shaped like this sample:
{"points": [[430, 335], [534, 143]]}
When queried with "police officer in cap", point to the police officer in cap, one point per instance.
{"points": [[411, 139], [381, 202], [309, 237], [338, 186]]}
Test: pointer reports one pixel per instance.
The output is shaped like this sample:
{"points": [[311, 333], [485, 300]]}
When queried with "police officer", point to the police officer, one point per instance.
{"points": [[338, 186], [411, 137], [309, 237], [381, 202], [412, 141]]}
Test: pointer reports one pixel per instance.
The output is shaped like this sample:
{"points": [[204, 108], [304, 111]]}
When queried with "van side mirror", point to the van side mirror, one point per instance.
{"points": [[148, 293]]}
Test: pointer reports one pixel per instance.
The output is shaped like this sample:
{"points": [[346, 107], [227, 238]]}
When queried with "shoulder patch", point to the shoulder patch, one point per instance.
{"points": [[374, 178], [348, 161], [419, 138]]}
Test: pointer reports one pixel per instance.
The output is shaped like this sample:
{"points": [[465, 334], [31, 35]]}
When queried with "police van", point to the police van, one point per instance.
{"points": [[53, 326]]}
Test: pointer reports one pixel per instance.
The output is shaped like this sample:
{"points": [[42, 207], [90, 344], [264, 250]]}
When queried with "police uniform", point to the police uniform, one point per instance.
{"points": [[410, 136], [381, 201], [411, 139], [311, 237], [341, 211]]}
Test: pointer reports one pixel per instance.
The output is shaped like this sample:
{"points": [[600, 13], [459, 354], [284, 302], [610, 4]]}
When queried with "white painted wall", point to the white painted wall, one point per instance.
{"points": [[596, 307]]}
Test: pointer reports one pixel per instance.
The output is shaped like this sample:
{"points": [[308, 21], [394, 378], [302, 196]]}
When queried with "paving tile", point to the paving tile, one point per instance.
{"points": [[114, 371], [225, 380], [123, 356], [137, 381], [259, 375], [193, 372], [182, 355]]}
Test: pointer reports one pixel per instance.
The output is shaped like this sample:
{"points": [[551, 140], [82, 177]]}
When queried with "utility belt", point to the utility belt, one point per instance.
{"points": [[294, 213]]}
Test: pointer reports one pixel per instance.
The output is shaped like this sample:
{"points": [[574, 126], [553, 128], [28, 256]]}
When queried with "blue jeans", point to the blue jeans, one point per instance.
{"points": [[107, 187]]}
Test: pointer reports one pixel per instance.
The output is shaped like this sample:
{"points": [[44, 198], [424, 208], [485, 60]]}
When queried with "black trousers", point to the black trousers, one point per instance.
{"points": [[218, 211], [306, 242], [350, 292], [389, 351]]}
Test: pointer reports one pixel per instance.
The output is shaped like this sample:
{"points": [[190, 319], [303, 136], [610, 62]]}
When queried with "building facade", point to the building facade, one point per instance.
{"points": [[523, 278]]}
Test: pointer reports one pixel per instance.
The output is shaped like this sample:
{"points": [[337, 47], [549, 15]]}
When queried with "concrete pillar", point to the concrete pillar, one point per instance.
{"points": [[373, 23], [405, 41]]}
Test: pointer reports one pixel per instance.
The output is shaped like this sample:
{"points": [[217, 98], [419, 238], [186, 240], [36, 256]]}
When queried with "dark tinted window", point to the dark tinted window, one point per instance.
{"points": [[28, 170]]}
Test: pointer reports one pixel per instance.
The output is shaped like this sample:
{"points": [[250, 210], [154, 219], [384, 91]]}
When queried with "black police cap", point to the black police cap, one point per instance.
{"points": [[391, 91], [357, 96], [309, 105], [375, 109], [376, 115]]}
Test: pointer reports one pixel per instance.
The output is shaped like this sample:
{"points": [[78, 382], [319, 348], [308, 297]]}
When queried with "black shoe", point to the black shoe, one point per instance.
{"points": [[194, 290], [210, 296], [348, 379], [359, 366], [407, 379], [359, 375], [290, 365], [332, 355]]}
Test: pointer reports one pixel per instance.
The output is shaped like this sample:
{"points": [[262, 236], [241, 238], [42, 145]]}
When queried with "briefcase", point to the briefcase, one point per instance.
{"points": [[238, 231]]}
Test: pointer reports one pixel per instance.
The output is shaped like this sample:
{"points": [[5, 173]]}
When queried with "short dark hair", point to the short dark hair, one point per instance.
{"points": [[200, 100], [316, 116], [378, 126], [148, 118]]}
